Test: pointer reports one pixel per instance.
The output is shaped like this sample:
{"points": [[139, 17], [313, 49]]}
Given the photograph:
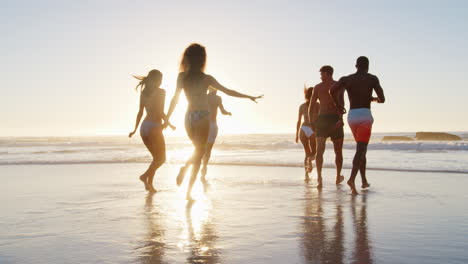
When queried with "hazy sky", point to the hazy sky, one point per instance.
{"points": [[66, 65]]}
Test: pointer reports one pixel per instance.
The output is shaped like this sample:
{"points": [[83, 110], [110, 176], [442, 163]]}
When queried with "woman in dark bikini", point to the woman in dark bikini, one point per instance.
{"points": [[195, 83], [152, 99]]}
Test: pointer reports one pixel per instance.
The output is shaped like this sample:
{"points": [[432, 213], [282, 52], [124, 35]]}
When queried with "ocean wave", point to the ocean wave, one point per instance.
{"points": [[229, 163], [282, 145], [419, 146], [394, 146], [246, 142]]}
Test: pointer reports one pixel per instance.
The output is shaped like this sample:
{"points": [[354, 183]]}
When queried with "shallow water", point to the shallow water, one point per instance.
{"points": [[256, 149], [98, 213]]}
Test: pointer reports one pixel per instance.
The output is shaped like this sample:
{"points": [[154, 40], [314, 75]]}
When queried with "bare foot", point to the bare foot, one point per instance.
{"points": [[203, 179], [206, 185], [143, 178], [340, 179], [189, 198], [151, 189], [353, 187], [310, 167], [365, 185], [181, 176], [320, 183]]}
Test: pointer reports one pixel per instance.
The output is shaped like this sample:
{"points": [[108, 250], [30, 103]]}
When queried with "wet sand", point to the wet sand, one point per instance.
{"points": [[99, 213]]}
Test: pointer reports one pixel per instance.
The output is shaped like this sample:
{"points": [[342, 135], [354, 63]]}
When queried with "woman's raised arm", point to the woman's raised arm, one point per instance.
{"points": [[215, 84]]}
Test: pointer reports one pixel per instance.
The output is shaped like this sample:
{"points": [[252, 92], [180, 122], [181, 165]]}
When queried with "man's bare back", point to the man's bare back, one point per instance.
{"points": [[360, 86], [322, 93]]}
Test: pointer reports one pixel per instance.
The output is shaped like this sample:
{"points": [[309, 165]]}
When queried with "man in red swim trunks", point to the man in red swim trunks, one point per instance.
{"points": [[360, 86]]}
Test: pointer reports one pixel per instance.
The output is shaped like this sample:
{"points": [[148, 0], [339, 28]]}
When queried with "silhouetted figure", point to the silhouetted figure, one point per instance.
{"points": [[214, 102], [152, 99], [305, 131], [195, 83], [329, 123], [360, 86]]}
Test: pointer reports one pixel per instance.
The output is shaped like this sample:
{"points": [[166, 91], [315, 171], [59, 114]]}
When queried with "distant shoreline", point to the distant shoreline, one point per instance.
{"points": [[225, 134]]}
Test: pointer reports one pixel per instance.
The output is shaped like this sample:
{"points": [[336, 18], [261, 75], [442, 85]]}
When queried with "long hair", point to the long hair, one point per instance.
{"points": [[308, 93], [193, 59], [147, 83]]}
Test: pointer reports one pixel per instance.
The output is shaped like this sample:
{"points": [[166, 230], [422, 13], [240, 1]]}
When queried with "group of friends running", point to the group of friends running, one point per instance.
{"points": [[320, 120], [322, 116]]}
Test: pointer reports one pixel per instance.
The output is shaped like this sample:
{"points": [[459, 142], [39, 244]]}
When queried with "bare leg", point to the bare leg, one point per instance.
{"points": [[183, 170], [159, 150], [313, 147], [199, 136], [206, 159], [362, 170], [195, 168], [181, 176], [157, 147], [307, 150], [361, 149], [313, 152], [321, 141], [338, 147], [144, 176]]}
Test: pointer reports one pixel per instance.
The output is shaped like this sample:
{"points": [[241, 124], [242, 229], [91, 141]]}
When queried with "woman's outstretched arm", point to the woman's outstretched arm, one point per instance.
{"points": [[215, 84], [175, 99], [139, 116], [222, 109]]}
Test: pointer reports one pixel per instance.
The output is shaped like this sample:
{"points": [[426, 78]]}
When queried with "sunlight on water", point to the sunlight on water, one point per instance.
{"points": [[195, 237], [269, 150]]}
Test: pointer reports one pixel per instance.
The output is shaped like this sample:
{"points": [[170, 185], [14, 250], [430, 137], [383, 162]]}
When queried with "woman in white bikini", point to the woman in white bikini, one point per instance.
{"points": [[152, 99], [195, 83], [305, 130]]}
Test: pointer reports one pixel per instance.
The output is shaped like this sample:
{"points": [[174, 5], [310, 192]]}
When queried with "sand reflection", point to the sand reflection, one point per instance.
{"points": [[362, 246], [323, 238], [201, 233], [152, 250]]}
